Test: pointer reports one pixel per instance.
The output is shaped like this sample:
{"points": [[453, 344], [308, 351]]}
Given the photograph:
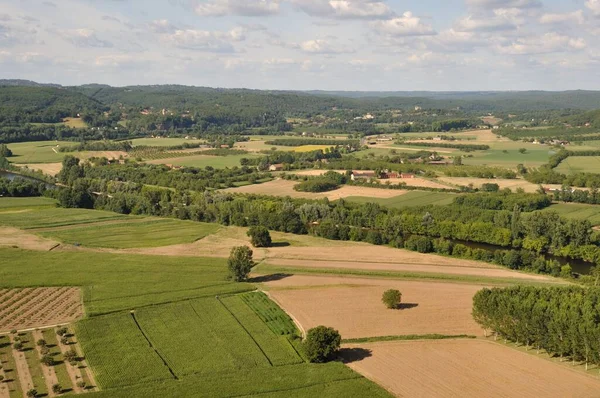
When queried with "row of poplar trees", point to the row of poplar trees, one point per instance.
{"points": [[563, 321]]}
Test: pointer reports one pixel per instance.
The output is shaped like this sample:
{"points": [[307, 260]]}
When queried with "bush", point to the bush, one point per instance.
{"points": [[259, 236], [317, 185], [32, 393], [240, 263], [421, 244], [321, 344], [47, 360], [392, 298], [18, 346]]}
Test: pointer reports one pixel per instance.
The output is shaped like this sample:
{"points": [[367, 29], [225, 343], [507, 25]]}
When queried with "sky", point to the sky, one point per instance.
{"points": [[365, 45]]}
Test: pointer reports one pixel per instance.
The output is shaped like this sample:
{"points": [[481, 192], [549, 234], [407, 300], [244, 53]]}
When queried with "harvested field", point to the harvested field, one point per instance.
{"points": [[46, 168], [354, 307], [502, 183], [13, 237], [36, 307], [281, 187], [466, 368]]}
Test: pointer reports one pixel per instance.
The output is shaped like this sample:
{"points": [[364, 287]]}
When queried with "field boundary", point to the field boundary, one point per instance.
{"points": [[407, 337]]}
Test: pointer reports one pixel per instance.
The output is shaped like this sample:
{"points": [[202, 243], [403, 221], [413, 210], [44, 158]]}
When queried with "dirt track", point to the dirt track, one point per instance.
{"points": [[354, 307], [466, 368], [13, 237]]}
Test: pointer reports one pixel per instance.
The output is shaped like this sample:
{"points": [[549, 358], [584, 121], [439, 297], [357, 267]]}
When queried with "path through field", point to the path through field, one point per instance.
{"points": [[466, 368]]}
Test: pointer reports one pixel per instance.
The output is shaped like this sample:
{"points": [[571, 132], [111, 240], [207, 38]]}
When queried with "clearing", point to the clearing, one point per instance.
{"points": [[412, 198], [36, 307], [465, 368], [282, 187], [47, 168], [577, 211], [354, 307], [579, 164]]}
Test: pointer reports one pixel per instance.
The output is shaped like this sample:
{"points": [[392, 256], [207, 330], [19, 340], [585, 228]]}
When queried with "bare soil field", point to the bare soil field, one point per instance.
{"points": [[13, 237], [502, 183], [465, 368], [46, 168], [354, 307], [36, 307], [281, 187]]}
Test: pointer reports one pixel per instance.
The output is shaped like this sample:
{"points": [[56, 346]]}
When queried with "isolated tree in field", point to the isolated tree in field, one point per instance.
{"points": [[62, 331], [41, 342], [81, 384], [321, 344], [259, 236], [240, 263], [392, 298], [457, 161], [70, 355], [522, 150], [57, 388], [18, 346], [32, 393]]}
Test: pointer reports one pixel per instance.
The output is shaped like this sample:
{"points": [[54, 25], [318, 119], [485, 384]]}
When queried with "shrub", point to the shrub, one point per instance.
{"points": [[18, 346], [81, 384], [322, 343], [442, 246], [392, 298], [57, 388], [259, 236], [47, 360], [41, 343], [32, 393], [317, 185], [421, 244], [62, 331], [240, 263]]}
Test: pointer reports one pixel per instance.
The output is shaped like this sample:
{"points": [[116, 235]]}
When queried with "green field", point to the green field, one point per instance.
{"points": [[44, 217], [577, 211], [409, 199], [38, 151], [10, 204], [579, 164], [128, 234], [162, 141]]}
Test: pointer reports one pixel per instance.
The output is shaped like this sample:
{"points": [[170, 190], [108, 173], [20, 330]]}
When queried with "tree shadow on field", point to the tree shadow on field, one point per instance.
{"points": [[280, 244], [407, 306], [349, 355], [269, 278]]}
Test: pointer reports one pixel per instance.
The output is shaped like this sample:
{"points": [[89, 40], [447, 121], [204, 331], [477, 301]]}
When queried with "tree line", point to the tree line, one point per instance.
{"points": [[463, 147], [312, 141], [563, 321]]}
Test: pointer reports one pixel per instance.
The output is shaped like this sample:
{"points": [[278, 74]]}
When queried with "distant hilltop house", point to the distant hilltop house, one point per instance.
{"points": [[407, 175], [559, 142], [276, 167], [362, 174], [389, 174], [418, 108], [384, 138]]}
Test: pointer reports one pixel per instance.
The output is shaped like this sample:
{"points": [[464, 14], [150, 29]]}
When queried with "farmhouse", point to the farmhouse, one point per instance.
{"points": [[276, 167], [407, 175], [359, 174]]}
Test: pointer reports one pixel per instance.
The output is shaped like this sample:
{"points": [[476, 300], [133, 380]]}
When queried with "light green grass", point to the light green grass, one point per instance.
{"points": [[577, 211], [412, 198], [60, 366], [54, 217], [275, 346], [118, 352], [33, 362], [38, 151], [579, 164], [9, 365], [151, 233], [535, 156], [271, 314], [162, 141], [200, 337], [114, 282], [17, 203]]}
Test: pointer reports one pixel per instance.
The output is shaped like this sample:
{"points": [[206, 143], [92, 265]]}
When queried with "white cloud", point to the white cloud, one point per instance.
{"points": [[162, 26], [249, 8], [496, 23], [547, 43], [406, 25], [202, 40], [321, 46], [345, 9], [575, 17], [487, 4], [85, 38], [594, 6]]}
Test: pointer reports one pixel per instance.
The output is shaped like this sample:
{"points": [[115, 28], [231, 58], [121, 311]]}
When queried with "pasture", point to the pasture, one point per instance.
{"points": [[38, 151], [579, 164], [577, 211], [467, 368], [132, 232], [9, 203], [409, 199], [310, 148], [46, 217]]}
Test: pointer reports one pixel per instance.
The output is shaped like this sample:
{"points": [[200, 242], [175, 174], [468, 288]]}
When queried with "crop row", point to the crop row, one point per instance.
{"points": [[274, 317]]}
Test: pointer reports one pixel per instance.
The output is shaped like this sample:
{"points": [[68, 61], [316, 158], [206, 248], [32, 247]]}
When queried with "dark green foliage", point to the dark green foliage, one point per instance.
{"points": [[318, 184], [259, 236], [392, 298], [4, 151], [322, 344], [274, 317], [20, 187], [502, 201], [47, 360], [462, 147], [311, 141], [561, 320], [240, 263], [421, 244]]}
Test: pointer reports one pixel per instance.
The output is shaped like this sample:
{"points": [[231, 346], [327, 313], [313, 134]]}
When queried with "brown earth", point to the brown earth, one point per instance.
{"points": [[46, 168], [14, 237], [353, 305], [281, 187], [36, 307], [22, 369], [512, 184], [49, 374], [465, 368]]}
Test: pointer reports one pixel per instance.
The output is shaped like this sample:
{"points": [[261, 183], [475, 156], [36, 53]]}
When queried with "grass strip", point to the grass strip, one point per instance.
{"points": [[9, 365], [407, 337], [264, 269], [33, 362], [60, 365]]}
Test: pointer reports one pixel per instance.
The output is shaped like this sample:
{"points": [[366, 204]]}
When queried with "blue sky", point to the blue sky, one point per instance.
{"points": [[305, 44]]}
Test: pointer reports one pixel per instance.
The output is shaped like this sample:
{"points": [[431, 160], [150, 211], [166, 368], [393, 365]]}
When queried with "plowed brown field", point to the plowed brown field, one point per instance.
{"points": [[35, 307], [467, 368], [354, 307]]}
